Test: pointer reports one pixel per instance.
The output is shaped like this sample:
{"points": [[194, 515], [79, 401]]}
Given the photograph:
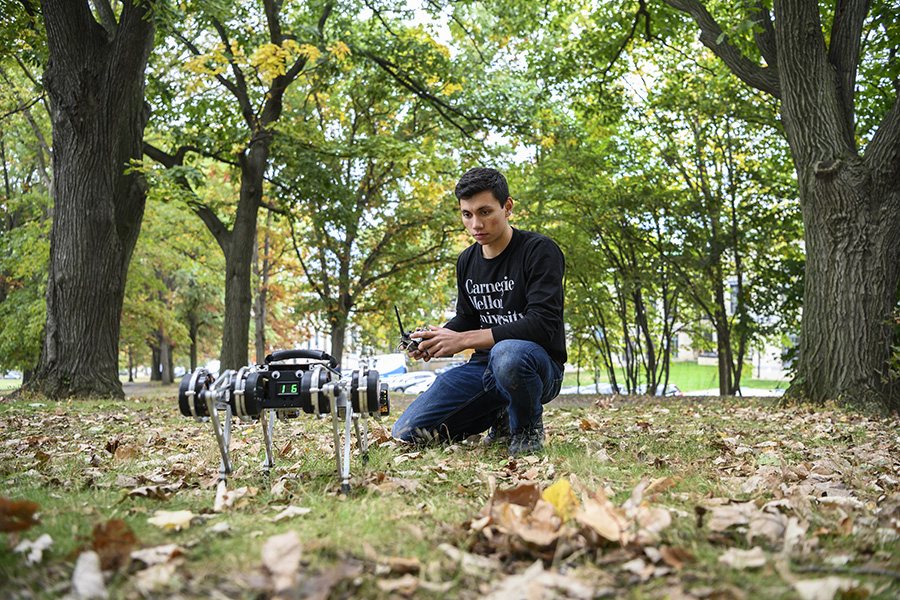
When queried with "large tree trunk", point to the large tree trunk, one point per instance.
{"points": [[850, 203], [851, 218], [193, 333], [95, 82], [851, 281], [155, 371], [165, 359]]}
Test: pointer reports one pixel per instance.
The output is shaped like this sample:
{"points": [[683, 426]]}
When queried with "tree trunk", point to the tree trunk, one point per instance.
{"points": [[851, 281], [338, 333], [851, 218], [95, 83], [193, 331], [239, 254], [165, 359], [850, 203], [155, 370], [260, 305]]}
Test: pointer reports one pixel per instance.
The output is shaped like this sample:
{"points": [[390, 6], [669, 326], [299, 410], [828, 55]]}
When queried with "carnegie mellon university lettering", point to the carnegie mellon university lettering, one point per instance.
{"points": [[487, 303], [492, 287], [491, 320]]}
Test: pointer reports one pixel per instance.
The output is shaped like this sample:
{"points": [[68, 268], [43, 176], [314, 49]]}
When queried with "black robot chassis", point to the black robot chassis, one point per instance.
{"points": [[282, 387]]}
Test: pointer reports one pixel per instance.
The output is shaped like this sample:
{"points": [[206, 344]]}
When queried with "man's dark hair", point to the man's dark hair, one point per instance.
{"points": [[479, 179]]}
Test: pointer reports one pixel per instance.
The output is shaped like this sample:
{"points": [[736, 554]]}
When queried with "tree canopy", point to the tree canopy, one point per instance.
{"points": [[719, 171]]}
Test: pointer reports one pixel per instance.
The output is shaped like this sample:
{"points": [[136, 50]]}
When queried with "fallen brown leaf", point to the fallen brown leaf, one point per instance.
{"points": [[676, 557], [113, 542], [662, 484], [401, 566], [603, 518], [17, 515], [281, 558]]}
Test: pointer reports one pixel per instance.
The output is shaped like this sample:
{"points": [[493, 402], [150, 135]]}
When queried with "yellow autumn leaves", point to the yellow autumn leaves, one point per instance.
{"points": [[541, 517], [268, 60]]}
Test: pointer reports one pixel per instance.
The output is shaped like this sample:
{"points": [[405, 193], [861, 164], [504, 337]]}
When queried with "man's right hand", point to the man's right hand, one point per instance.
{"points": [[436, 342]]}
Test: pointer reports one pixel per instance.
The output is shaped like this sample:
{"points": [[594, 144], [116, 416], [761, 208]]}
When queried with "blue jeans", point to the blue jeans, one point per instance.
{"points": [[519, 377]]}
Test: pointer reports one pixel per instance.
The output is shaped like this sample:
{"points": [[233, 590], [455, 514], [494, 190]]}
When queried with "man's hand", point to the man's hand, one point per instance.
{"points": [[439, 341]]}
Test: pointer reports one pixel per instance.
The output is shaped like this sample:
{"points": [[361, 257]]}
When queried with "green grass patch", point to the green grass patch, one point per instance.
{"points": [[10, 384], [688, 376]]}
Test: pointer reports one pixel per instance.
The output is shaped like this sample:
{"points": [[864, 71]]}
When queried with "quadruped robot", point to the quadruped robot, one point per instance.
{"points": [[281, 388]]}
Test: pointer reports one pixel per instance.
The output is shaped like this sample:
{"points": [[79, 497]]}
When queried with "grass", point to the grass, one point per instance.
{"points": [[688, 376], [87, 463], [10, 384]]}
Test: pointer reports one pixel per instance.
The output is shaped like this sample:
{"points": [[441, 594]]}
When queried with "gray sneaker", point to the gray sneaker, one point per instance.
{"points": [[527, 441], [499, 431]]}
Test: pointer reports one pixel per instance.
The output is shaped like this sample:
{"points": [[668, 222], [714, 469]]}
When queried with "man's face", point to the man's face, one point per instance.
{"points": [[485, 218]]}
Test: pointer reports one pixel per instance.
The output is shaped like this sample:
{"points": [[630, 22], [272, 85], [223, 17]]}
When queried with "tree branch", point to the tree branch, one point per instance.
{"points": [[883, 152], [443, 108], [322, 19], [239, 87], [275, 209], [274, 99], [314, 283], [271, 8], [762, 78], [843, 52], [25, 109], [236, 91], [642, 11], [206, 214], [765, 39], [107, 16], [469, 34]]}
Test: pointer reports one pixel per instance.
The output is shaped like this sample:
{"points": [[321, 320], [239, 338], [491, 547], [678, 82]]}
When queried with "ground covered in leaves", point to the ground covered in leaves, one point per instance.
{"points": [[633, 498]]}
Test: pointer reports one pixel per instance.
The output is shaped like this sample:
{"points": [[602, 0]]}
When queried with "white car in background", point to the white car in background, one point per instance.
{"points": [[402, 382], [420, 387]]}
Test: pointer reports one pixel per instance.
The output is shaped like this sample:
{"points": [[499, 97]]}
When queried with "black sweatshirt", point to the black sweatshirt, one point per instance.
{"points": [[518, 294]]}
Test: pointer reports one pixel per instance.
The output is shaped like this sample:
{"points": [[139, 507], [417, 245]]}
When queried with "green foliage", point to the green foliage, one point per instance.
{"points": [[367, 177], [24, 259], [22, 32], [685, 190], [174, 281], [25, 210], [879, 68]]}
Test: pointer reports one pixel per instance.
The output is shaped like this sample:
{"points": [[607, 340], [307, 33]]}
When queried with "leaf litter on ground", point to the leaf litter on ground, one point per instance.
{"points": [[706, 498]]}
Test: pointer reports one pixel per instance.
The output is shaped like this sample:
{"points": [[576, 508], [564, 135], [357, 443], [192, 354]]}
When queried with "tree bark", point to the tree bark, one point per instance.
{"points": [[165, 358], [155, 371], [95, 82], [338, 335], [850, 202], [239, 254], [851, 217], [193, 332], [260, 304]]}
